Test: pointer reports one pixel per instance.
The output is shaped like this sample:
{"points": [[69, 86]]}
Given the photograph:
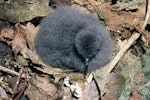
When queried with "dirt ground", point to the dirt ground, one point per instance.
{"points": [[23, 76]]}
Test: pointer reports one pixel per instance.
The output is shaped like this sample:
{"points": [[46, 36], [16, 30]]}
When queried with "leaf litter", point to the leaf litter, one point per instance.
{"points": [[129, 79]]}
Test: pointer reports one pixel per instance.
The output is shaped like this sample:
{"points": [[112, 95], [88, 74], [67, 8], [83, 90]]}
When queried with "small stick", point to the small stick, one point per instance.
{"points": [[22, 89], [15, 89], [112, 64], [105, 71], [8, 70], [147, 15], [11, 72]]}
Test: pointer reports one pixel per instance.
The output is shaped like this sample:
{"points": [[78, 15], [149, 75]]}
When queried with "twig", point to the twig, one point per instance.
{"points": [[147, 15], [102, 74], [15, 89], [8, 70], [11, 72], [18, 92], [112, 64], [22, 89]]}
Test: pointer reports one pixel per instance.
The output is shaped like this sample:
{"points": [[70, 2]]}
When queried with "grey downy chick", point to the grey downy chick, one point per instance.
{"points": [[69, 39]]}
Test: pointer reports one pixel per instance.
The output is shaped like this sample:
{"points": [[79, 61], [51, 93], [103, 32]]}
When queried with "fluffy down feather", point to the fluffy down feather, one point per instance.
{"points": [[69, 39]]}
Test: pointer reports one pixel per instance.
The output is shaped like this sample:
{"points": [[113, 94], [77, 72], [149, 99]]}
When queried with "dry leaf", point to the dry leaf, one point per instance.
{"points": [[19, 41], [7, 33], [80, 2], [109, 96], [94, 2], [90, 92], [40, 87], [59, 3], [136, 96], [3, 95], [21, 10], [32, 32], [119, 20]]}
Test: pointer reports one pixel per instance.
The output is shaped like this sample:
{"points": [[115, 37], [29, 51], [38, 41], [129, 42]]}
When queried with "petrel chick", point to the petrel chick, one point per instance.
{"points": [[71, 40]]}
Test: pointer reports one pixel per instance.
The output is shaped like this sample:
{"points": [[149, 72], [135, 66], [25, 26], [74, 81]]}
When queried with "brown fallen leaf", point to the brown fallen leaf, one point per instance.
{"points": [[79, 2], [90, 92], [3, 94], [136, 96], [7, 33], [109, 96], [42, 88], [59, 3], [19, 41], [21, 11], [32, 31], [119, 20]]}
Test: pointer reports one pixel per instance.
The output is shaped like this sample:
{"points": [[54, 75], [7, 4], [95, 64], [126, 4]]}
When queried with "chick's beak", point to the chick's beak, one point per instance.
{"points": [[86, 63]]}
